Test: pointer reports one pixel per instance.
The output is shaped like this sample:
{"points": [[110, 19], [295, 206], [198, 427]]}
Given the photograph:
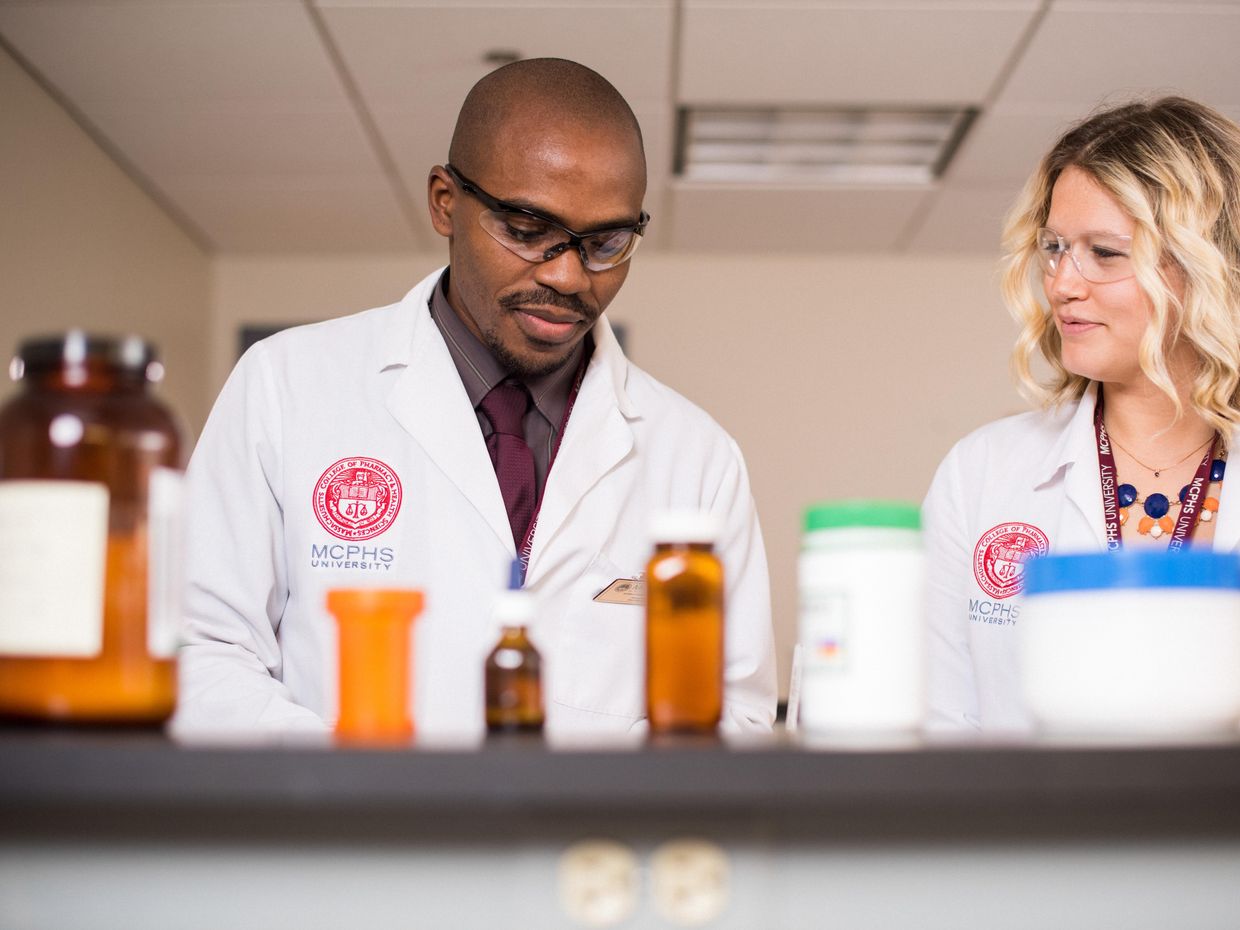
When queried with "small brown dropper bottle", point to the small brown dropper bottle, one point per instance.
{"points": [[514, 698]]}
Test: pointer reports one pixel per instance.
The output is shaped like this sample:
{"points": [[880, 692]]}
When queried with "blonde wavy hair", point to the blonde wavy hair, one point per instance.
{"points": [[1174, 165]]}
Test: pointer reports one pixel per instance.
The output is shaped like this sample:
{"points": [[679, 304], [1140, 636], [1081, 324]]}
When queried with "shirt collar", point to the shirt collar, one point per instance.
{"points": [[1077, 442], [480, 370]]}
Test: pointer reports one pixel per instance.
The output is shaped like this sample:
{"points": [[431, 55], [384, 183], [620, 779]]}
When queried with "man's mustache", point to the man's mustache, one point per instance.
{"points": [[546, 297]]}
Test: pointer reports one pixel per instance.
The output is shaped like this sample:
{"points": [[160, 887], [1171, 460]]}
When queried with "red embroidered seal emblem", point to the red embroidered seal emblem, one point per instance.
{"points": [[1000, 556], [357, 498]]}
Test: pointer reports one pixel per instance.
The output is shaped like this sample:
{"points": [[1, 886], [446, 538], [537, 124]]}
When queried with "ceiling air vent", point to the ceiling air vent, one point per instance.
{"points": [[845, 146]]}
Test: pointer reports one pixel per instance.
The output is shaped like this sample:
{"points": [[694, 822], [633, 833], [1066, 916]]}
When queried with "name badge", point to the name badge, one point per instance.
{"points": [[623, 591]]}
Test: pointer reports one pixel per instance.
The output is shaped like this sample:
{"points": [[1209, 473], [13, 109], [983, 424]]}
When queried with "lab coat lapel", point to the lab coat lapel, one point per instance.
{"points": [[1077, 455], [597, 438], [430, 403]]}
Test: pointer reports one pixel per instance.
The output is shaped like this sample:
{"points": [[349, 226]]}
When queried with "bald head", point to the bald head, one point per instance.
{"points": [[536, 95]]}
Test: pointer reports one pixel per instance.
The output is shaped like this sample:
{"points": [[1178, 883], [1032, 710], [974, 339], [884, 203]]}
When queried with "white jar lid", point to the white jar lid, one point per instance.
{"points": [[688, 526], [513, 608]]}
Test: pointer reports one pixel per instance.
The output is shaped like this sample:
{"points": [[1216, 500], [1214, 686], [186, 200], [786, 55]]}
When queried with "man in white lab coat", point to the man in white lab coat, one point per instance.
{"points": [[364, 451]]}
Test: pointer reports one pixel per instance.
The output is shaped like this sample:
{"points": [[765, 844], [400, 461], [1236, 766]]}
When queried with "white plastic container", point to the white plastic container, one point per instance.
{"points": [[1136, 643], [862, 587]]}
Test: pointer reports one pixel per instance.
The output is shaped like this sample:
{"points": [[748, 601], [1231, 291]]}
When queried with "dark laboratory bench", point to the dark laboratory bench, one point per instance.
{"points": [[100, 830], [96, 780]]}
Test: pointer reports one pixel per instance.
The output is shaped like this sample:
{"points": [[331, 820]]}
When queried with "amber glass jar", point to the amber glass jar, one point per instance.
{"points": [[684, 626], [89, 535]]}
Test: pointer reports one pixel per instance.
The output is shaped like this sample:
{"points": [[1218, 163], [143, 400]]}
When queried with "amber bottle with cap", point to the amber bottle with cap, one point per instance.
{"points": [[90, 557], [684, 625], [513, 671]]}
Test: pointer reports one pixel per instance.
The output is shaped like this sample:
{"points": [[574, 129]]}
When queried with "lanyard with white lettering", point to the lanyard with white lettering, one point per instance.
{"points": [[1185, 524], [527, 545]]}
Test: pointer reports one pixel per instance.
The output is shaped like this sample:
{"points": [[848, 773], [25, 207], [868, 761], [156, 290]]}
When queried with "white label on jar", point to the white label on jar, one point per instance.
{"points": [[53, 555], [824, 630], [165, 561]]}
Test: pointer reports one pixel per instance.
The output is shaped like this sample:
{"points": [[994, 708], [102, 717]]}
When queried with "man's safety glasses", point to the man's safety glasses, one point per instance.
{"points": [[537, 238], [1100, 257]]}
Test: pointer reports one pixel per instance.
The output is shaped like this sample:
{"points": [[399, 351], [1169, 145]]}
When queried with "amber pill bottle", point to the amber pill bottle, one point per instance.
{"points": [[90, 538], [684, 625]]}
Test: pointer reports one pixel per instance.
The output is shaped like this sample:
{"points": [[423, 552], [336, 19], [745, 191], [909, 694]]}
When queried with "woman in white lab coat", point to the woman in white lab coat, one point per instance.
{"points": [[1130, 228]]}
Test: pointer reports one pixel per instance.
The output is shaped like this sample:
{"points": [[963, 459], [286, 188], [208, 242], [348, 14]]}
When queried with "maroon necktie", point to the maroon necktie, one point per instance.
{"points": [[505, 405]]}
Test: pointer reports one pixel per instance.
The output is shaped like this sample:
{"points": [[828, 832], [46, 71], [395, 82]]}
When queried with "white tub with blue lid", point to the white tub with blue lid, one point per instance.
{"points": [[1142, 643]]}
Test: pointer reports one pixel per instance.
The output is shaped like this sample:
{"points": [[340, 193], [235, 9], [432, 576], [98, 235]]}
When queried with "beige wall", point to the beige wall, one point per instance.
{"points": [[82, 245], [840, 377]]}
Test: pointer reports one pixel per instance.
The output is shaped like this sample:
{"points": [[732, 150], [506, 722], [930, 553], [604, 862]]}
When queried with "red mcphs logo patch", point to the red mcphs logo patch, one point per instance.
{"points": [[1000, 556], [357, 498]]}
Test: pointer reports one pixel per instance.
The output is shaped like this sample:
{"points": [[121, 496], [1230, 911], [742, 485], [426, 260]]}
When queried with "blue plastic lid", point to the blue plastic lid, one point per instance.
{"points": [[1189, 568]]}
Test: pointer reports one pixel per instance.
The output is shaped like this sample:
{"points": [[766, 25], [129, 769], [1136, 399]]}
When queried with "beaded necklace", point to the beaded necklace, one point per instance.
{"points": [[1194, 505], [1156, 522]]}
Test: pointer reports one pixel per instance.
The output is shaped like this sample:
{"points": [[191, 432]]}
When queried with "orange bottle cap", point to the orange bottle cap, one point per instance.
{"points": [[405, 601]]}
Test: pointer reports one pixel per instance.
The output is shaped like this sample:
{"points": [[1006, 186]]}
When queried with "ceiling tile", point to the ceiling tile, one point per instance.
{"points": [[262, 53], [711, 218], [1088, 53], [235, 139], [289, 213], [1004, 147], [413, 56], [845, 53]]}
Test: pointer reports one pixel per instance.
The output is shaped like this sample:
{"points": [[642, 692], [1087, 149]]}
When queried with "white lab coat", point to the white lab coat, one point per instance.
{"points": [[260, 648], [1035, 471]]}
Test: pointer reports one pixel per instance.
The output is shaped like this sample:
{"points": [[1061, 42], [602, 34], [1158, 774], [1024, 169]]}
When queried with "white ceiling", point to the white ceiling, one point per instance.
{"points": [[283, 125]]}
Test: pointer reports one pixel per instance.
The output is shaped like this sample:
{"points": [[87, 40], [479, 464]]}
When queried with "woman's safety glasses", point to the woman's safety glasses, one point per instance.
{"points": [[537, 238], [1100, 257]]}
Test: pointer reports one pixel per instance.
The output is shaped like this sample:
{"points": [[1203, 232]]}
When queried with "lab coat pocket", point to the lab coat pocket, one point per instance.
{"points": [[603, 667]]}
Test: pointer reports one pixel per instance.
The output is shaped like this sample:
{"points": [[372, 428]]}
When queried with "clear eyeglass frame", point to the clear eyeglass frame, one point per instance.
{"points": [[1100, 258]]}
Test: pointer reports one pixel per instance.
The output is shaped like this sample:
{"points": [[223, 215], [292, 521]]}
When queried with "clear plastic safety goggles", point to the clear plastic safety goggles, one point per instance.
{"points": [[1099, 257], [538, 238]]}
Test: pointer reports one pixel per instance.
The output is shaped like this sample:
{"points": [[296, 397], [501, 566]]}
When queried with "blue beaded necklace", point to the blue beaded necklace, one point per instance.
{"points": [[1157, 506], [1195, 506]]}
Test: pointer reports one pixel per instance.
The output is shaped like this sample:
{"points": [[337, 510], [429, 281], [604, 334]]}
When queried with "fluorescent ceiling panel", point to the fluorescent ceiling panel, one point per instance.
{"points": [[818, 146]]}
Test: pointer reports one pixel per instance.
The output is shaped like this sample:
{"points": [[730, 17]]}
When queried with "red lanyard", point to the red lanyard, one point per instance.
{"points": [[527, 544], [1185, 524]]}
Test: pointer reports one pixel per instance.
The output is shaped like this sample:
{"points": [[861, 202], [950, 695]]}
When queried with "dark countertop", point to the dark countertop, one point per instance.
{"points": [[105, 829], [776, 782]]}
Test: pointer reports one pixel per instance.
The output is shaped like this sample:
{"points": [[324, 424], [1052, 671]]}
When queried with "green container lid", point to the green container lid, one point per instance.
{"points": [[834, 515]]}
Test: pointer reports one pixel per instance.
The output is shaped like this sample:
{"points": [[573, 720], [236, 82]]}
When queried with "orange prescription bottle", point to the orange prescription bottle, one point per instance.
{"points": [[90, 540], [375, 654], [684, 625]]}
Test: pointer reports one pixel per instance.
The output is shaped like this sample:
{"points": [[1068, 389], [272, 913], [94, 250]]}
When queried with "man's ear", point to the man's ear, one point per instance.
{"points": [[440, 199]]}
